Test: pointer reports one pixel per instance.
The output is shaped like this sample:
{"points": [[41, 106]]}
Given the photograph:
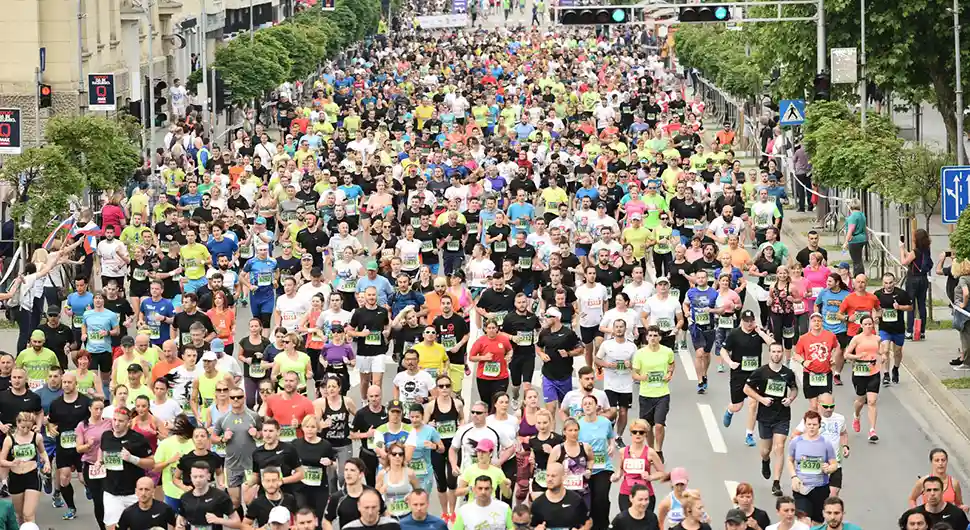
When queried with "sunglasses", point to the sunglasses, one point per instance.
{"points": [[287, 341], [266, 391], [397, 453], [478, 412], [430, 332], [235, 397], [638, 432], [222, 390], [444, 386], [832, 406]]}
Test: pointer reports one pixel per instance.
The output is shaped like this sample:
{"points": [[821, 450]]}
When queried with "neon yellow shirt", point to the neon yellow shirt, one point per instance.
{"points": [[195, 257]]}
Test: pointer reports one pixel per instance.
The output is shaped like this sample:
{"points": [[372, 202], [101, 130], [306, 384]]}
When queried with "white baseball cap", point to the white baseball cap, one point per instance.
{"points": [[278, 514]]}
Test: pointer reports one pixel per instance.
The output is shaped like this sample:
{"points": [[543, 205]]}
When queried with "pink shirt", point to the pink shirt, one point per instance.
{"points": [[91, 434], [814, 279], [112, 215], [632, 467]]}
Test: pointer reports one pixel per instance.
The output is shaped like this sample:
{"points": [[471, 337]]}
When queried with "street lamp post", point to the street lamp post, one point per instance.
{"points": [[151, 84], [959, 80], [862, 63], [204, 91]]}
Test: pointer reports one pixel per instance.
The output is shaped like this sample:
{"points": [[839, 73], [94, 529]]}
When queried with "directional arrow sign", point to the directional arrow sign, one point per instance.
{"points": [[791, 111], [955, 191]]}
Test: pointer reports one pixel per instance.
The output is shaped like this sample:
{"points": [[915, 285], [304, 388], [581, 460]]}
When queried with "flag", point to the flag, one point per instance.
{"points": [[90, 233], [66, 224]]}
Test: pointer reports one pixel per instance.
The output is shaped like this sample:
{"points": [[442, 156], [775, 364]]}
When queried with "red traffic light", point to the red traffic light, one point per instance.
{"points": [[45, 90]]}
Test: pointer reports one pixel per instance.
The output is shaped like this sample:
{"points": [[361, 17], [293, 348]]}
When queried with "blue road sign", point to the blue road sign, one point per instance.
{"points": [[43, 59], [792, 112], [955, 191]]}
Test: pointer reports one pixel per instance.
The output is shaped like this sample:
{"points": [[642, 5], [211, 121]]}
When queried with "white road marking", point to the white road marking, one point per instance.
{"points": [[732, 488], [687, 361], [354, 378], [710, 425]]}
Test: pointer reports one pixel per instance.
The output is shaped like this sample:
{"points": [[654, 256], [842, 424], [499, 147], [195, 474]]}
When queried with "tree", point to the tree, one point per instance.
{"points": [[47, 180], [100, 148], [251, 68], [913, 179], [960, 237], [300, 52]]}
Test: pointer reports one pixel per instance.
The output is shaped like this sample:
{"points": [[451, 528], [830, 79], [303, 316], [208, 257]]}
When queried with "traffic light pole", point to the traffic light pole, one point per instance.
{"points": [[38, 78]]}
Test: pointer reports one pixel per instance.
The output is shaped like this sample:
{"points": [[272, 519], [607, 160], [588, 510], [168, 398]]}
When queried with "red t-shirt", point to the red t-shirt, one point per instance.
{"points": [[497, 349], [855, 307], [817, 350], [284, 410]]}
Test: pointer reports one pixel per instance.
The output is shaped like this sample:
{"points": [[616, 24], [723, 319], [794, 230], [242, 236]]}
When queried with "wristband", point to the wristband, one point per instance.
{"points": [[132, 459]]}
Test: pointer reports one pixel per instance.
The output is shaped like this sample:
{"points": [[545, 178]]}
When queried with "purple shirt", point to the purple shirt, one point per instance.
{"points": [[337, 354]]}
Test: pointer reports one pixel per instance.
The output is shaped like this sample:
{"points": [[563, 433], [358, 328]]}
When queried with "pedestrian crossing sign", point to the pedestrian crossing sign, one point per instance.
{"points": [[792, 112]]}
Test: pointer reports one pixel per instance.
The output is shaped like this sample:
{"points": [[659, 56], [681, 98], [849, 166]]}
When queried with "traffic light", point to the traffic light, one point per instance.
{"points": [[592, 16], [823, 87], [705, 13], [46, 96]]}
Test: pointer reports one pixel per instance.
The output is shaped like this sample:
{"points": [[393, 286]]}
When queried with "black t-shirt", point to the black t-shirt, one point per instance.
{"points": [[214, 501], [707, 266], [521, 330], [892, 320], [522, 184], [426, 237], [343, 508], [183, 321], [802, 256], [744, 348], [549, 294], [310, 456], [186, 462], [283, 456], [121, 483], [497, 301], [171, 285], [761, 517], [365, 420], [558, 367], [453, 328], [569, 512], [160, 515], [680, 526], [774, 385], [457, 234], [374, 320], [624, 521], [313, 243], [538, 453], [500, 246], [258, 510], [67, 415], [951, 515], [12, 404], [523, 257], [608, 278], [167, 233], [55, 339]]}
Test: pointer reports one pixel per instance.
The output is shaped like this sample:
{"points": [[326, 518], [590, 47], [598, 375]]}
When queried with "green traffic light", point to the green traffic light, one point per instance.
{"points": [[619, 15]]}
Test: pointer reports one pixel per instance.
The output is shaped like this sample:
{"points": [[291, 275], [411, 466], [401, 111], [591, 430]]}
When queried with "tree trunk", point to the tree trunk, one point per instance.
{"points": [[946, 104]]}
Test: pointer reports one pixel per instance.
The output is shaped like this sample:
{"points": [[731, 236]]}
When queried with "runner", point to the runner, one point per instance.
{"points": [[615, 357], [653, 367], [742, 353], [774, 387], [816, 351], [699, 303], [811, 460], [892, 333], [863, 350]]}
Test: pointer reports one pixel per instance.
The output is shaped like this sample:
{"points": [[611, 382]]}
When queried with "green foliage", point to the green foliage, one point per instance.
{"points": [[292, 40], [960, 237], [52, 179], [102, 149], [251, 68], [914, 179], [720, 55]]}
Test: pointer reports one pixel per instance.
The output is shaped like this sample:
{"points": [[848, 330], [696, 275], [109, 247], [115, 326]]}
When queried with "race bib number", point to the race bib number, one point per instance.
{"points": [[634, 466], [525, 262], [447, 429], [35, 384], [287, 433], [500, 317], [810, 465], [419, 466], [770, 278], [200, 527], [750, 363], [257, 370], [97, 471], [139, 275], [500, 247], [78, 321], [890, 315], [775, 388], [816, 291], [818, 379], [453, 246], [655, 379], [725, 322], [622, 367], [492, 369], [599, 459], [788, 332], [702, 317], [312, 476], [799, 307], [219, 449], [264, 279], [665, 324], [112, 461], [427, 246], [449, 341], [398, 507], [349, 286], [662, 248], [862, 368], [573, 482], [859, 315], [675, 293], [523, 338], [540, 477], [154, 330], [68, 439], [373, 339], [410, 262]]}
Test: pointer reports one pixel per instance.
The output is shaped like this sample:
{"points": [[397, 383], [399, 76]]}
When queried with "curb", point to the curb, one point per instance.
{"points": [[945, 400]]}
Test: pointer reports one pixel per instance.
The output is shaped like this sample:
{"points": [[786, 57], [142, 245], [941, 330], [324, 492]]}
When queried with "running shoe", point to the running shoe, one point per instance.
{"points": [[619, 442], [776, 489], [909, 335], [87, 493], [48, 485], [69, 515], [244, 302], [701, 388], [662, 459], [720, 368], [856, 425], [728, 416], [895, 375], [885, 379], [57, 501], [766, 468], [872, 436], [837, 379], [749, 440]]}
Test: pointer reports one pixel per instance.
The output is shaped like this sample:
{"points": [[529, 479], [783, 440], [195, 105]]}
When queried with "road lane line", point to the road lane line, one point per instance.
{"points": [[687, 360], [710, 425], [732, 488]]}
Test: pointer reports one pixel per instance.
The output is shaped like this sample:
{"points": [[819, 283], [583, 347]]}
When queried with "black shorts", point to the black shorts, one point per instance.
{"points": [[67, 458], [620, 399], [589, 334], [866, 384], [835, 479], [703, 339], [767, 431], [521, 368], [813, 391], [21, 483], [654, 410], [102, 361], [812, 502], [844, 340], [737, 387]]}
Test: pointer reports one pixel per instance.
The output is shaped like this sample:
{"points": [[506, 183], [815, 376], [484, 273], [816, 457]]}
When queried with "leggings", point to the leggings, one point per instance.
{"points": [[662, 263], [916, 288], [779, 323], [764, 313], [488, 387], [855, 253], [443, 476], [599, 491], [371, 461], [335, 473], [96, 487]]}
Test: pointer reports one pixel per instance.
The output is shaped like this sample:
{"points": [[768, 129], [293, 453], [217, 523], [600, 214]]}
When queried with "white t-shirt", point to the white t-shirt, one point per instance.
{"points": [[291, 309], [410, 254], [720, 228], [414, 386], [111, 253], [572, 402], [591, 304], [178, 95], [831, 429], [229, 365], [597, 223], [479, 272], [329, 318], [183, 383], [496, 516], [630, 316], [468, 437], [507, 429], [639, 294], [614, 247], [166, 411], [618, 379], [663, 313], [797, 526], [307, 290]]}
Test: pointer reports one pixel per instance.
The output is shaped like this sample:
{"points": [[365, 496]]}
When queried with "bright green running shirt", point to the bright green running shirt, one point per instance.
{"points": [[654, 365]]}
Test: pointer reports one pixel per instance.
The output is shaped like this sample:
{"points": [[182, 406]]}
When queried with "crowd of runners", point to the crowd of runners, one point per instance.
{"points": [[486, 208]]}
